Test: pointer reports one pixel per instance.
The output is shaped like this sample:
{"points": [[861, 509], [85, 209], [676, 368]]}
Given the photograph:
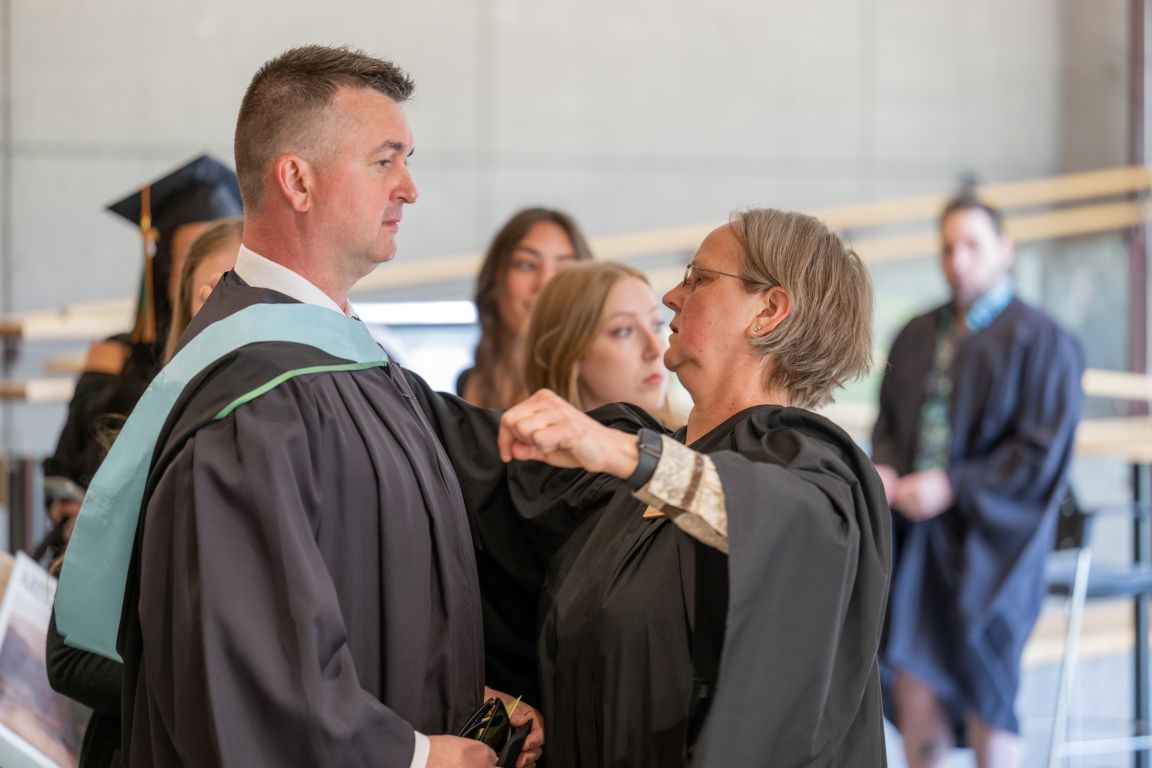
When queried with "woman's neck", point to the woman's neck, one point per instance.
{"points": [[506, 385], [709, 413]]}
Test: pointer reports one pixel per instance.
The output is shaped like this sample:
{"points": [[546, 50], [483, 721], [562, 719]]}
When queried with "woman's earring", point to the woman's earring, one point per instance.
{"points": [[756, 329]]}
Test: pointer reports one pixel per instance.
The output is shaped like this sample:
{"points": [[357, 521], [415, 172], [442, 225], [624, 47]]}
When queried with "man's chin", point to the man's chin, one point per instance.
{"points": [[384, 256]]}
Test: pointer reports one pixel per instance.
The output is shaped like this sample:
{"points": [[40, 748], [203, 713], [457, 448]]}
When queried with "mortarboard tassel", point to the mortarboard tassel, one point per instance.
{"points": [[145, 330]]}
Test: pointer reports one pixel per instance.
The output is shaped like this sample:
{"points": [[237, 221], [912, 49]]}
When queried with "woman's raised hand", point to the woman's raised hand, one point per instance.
{"points": [[547, 428]]}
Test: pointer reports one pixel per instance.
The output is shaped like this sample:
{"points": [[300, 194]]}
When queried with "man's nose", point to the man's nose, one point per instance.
{"points": [[407, 190]]}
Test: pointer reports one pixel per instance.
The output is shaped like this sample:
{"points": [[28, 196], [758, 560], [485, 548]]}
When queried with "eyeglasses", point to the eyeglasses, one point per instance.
{"points": [[690, 282]]}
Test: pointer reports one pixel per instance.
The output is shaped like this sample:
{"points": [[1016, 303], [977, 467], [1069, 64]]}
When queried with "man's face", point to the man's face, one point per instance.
{"points": [[362, 181], [975, 258]]}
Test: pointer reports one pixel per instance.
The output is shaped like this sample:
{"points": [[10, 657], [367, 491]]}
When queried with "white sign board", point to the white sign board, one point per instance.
{"points": [[39, 728]]}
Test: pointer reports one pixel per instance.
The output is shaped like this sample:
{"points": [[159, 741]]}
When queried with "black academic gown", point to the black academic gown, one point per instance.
{"points": [[521, 515], [96, 412], [303, 588], [94, 681], [78, 449], [633, 651], [968, 585], [808, 572]]}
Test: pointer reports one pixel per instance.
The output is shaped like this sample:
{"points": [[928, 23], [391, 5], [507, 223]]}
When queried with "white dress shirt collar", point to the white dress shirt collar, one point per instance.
{"points": [[261, 272]]}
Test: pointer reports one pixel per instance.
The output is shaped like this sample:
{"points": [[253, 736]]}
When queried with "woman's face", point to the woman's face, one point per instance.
{"points": [[624, 364], [714, 318], [209, 269], [543, 250]]}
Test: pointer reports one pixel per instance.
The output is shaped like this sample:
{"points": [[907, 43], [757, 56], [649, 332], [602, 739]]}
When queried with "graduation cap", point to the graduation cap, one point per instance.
{"points": [[200, 190]]}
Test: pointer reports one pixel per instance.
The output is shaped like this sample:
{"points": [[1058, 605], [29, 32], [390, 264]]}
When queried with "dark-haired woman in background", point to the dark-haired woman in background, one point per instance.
{"points": [[524, 255]]}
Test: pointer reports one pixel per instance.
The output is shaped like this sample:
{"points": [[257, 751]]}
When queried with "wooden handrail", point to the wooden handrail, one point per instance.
{"points": [[1012, 194], [1119, 385], [1115, 385], [1027, 228]]}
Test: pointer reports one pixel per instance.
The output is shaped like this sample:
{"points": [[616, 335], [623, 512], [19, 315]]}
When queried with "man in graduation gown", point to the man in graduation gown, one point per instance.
{"points": [[302, 587], [978, 411]]}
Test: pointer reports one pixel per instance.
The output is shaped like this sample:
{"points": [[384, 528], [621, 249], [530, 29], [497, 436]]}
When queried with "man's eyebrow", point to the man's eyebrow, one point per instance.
{"points": [[395, 146]]}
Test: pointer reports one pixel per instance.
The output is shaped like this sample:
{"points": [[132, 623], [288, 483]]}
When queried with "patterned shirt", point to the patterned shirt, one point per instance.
{"points": [[935, 437]]}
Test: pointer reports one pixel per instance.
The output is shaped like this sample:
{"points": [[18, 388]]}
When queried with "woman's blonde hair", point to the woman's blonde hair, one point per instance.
{"points": [[210, 240], [826, 340], [565, 322]]}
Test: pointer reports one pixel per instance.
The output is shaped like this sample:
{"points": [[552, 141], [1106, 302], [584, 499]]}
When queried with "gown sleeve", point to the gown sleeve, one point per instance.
{"points": [[885, 441], [251, 664], [547, 503], [88, 678], [901, 394], [78, 451], [798, 680], [686, 487], [521, 514]]}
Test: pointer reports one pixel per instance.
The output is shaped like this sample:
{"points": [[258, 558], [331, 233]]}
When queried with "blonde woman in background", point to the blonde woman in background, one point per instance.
{"points": [[524, 255], [212, 254], [597, 336]]}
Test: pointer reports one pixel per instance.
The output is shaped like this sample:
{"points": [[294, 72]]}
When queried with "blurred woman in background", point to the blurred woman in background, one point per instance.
{"points": [[211, 255], [527, 251], [597, 336]]}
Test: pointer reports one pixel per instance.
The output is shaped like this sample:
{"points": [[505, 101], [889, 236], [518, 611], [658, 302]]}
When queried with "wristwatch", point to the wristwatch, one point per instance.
{"points": [[649, 444]]}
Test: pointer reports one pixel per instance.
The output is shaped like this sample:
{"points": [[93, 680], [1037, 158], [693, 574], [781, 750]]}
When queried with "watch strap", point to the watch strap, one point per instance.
{"points": [[649, 445]]}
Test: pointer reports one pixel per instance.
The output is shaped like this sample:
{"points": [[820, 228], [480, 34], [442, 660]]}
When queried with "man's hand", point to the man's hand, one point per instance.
{"points": [[457, 752], [533, 746], [923, 495], [547, 428], [891, 480]]}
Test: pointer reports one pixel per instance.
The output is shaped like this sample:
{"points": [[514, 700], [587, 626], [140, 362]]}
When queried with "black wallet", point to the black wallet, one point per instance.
{"points": [[490, 724]]}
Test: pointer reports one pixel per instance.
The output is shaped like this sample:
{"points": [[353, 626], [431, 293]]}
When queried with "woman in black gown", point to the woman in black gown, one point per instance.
{"points": [[720, 599]]}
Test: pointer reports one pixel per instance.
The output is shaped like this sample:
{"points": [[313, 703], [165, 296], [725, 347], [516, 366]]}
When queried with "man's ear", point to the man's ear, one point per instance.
{"points": [[776, 305], [295, 179], [1007, 252]]}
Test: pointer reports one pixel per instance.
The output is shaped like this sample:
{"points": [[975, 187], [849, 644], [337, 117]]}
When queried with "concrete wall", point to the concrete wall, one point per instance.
{"points": [[630, 113], [627, 113]]}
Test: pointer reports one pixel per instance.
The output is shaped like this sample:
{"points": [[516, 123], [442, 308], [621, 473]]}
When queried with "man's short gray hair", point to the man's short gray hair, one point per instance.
{"points": [[284, 106]]}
